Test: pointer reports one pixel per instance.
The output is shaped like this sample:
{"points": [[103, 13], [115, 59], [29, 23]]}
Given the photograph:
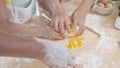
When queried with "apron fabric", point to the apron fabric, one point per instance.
{"points": [[22, 12], [21, 3]]}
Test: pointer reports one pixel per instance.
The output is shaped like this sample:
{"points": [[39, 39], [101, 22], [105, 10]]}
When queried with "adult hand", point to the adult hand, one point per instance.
{"points": [[78, 19], [61, 21]]}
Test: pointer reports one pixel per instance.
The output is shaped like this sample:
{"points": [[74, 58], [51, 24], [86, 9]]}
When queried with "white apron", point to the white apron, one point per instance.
{"points": [[22, 12]]}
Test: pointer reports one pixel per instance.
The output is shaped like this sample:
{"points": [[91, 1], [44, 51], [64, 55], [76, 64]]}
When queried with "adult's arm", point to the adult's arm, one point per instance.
{"points": [[13, 46], [79, 16], [86, 5]]}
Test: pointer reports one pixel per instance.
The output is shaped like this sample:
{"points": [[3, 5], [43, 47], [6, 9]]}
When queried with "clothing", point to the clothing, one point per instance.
{"points": [[20, 11], [21, 3]]}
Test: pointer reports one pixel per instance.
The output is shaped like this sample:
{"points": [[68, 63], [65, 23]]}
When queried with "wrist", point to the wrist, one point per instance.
{"points": [[30, 49], [57, 10], [87, 4], [34, 31], [14, 28], [82, 11], [19, 47], [37, 51]]}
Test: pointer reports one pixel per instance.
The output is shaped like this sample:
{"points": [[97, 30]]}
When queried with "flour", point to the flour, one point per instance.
{"points": [[57, 56]]}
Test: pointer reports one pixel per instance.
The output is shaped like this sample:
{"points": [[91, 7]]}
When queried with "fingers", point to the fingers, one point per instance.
{"points": [[81, 29], [77, 22], [81, 26], [74, 24], [56, 36], [61, 27], [56, 23], [52, 24], [67, 25]]}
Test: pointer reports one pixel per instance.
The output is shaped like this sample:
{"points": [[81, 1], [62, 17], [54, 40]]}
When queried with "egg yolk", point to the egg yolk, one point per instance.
{"points": [[74, 42]]}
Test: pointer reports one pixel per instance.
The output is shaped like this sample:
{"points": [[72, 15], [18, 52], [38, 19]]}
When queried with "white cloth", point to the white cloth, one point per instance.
{"points": [[21, 3], [20, 14]]}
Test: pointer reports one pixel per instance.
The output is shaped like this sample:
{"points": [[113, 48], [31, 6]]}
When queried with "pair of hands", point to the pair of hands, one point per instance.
{"points": [[62, 22]]}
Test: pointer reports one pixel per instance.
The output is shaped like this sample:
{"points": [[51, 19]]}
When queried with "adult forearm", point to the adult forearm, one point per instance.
{"points": [[11, 27], [88, 2], [51, 5], [17, 47], [14, 28], [86, 5]]}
